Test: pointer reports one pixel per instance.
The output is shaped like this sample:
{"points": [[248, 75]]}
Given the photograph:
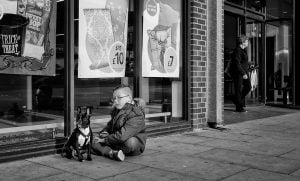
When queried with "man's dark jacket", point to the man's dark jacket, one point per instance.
{"points": [[239, 62], [126, 123]]}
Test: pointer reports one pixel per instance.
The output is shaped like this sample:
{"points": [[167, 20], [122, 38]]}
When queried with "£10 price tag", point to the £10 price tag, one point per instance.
{"points": [[117, 57]]}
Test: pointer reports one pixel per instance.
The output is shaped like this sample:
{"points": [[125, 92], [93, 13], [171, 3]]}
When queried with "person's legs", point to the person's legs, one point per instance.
{"points": [[132, 147], [101, 149], [104, 150], [246, 87], [246, 90], [238, 82]]}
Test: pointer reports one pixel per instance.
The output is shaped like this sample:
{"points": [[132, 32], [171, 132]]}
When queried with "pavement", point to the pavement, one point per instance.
{"points": [[258, 149]]}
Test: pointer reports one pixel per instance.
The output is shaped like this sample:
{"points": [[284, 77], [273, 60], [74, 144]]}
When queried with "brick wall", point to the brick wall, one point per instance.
{"points": [[198, 62]]}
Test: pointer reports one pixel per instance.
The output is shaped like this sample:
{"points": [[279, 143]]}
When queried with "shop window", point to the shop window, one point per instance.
{"points": [[163, 96], [279, 61], [31, 86]]}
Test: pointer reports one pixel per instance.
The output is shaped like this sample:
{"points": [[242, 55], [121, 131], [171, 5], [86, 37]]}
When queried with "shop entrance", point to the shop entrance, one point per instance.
{"points": [[234, 26]]}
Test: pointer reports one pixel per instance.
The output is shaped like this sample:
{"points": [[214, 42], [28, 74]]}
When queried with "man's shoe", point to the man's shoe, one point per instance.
{"points": [[118, 155]]}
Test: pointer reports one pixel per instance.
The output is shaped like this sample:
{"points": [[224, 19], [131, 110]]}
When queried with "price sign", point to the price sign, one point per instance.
{"points": [[151, 7], [117, 57], [170, 60]]}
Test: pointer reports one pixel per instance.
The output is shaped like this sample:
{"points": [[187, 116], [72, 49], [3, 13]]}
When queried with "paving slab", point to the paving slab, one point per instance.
{"points": [[262, 162], [176, 147], [259, 175], [194, 167], [295, 154], [262, 133], [274, 128], [186, 137], [14, 164], [64, 177], [282, 143], [251, 147], [293, 131], [257, 112], [227, 135], [151, 174], [100, 167], [296, 173], [149, 150], [24, 170]]}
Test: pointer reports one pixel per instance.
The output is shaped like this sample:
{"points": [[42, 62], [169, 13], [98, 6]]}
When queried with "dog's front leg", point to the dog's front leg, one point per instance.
{"points": [[80, 157], [89, 147]]}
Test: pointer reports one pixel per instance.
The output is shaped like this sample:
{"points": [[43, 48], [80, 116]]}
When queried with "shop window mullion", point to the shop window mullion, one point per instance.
{"points": [[69, 66]]}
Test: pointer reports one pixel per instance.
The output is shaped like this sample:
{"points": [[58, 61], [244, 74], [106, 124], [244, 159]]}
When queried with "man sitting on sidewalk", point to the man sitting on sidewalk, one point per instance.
{"points": [[125, 133]]}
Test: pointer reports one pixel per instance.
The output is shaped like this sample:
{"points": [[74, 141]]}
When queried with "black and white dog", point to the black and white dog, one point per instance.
{"points": [[81, 138]]}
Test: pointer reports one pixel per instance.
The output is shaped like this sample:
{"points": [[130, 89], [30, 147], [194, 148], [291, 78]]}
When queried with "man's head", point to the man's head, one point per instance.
{"points": [[243, 41], [121, 95]]}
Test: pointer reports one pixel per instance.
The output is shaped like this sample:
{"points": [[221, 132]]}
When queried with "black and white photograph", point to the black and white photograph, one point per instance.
{"points": [[149, 90]]}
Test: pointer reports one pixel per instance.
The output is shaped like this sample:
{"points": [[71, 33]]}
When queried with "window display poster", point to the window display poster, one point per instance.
{"points": [[28, 37], [161, 38], [102, 38]]}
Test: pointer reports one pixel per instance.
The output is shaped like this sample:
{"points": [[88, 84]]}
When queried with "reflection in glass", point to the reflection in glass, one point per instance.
{"points": [[279, 61], [279, 9], [254, 49], [256, 5]]}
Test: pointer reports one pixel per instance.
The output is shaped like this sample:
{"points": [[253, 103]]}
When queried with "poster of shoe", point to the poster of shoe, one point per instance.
{"points": [[102, 38], [161, 38], [28, 37]]}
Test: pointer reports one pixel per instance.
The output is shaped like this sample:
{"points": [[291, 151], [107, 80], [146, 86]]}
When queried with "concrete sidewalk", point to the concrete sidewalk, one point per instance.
{"points": [[262, 149]]}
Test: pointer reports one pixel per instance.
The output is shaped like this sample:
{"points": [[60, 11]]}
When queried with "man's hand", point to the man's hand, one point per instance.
{"points": [[245, 76]]}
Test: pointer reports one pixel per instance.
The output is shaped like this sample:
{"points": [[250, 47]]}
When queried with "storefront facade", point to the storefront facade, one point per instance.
{"points": [[174, 61], [270, 28]]}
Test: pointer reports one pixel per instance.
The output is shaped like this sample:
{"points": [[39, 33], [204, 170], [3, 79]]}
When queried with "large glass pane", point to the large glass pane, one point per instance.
{"points": [[279, 62], [279, 9], [31, 100], [254, 49], [97, 92], [163, 96], [161, 33]]}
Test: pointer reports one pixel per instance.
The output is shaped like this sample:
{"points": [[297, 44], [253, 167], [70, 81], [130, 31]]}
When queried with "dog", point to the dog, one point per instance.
{"points": [[81, 138]]}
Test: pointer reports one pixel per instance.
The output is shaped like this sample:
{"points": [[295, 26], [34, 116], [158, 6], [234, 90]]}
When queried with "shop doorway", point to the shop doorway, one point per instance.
{"points": [[234, 26], [231, 30]]}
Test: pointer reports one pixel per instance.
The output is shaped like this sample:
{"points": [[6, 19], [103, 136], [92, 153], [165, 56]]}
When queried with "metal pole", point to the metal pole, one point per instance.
{"points": [[69, 66]]}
